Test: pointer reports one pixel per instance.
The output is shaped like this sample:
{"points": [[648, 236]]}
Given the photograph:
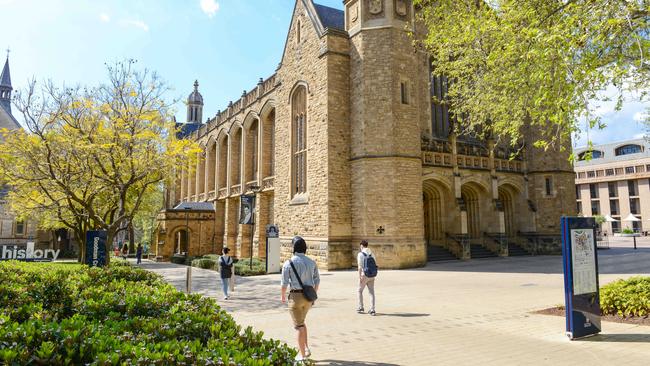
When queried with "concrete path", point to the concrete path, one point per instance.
{"points": [[453, 313]]}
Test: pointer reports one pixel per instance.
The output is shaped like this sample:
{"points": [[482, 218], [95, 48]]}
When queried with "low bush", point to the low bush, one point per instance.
{"points": [[626, 298], [205, 263], [627, 231], [243, 267], [69, 314]]}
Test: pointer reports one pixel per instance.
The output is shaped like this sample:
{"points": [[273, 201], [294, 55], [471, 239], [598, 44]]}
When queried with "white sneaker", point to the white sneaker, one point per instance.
{"points": [[299, 357], [225, 297], [307, 352]]}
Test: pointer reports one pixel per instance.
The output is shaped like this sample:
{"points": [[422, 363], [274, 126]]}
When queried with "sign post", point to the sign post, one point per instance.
{"points": [[96, 248], [580, 264], [273, 264]]}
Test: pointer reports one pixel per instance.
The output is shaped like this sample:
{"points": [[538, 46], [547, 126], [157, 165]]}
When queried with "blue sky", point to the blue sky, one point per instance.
{"points": [[226, 44]]}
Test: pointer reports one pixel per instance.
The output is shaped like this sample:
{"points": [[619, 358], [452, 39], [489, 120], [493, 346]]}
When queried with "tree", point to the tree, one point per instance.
{"points": [[534, 63], [91, 157]]}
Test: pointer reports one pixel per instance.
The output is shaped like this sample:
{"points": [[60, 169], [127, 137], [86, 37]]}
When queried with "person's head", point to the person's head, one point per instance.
{"points": [[247, 210], [363, 244], [140, 245], [225, 251], [299, 245]]}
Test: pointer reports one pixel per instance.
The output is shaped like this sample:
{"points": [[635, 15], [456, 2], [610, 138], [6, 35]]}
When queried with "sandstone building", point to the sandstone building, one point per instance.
{"points": [[615, 182], [345, 144]]}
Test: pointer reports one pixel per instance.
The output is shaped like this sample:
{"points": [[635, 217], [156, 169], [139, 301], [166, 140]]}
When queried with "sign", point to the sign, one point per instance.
{"points": [[273, 264], [580, 264], [96, 248], [246, 216], [28, 253]]}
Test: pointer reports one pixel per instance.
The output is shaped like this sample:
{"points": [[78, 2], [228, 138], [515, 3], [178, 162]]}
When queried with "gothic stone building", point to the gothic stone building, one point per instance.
{"points": [[345, 143]]}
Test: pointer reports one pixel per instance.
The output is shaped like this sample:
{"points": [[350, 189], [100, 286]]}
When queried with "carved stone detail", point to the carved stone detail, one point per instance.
{"points": [[376, 6], [401, 7]]}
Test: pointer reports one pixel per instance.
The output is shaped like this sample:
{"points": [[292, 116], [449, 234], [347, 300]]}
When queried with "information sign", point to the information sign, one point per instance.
{"points": [[96, 248], [580, 263], [273, 264]]}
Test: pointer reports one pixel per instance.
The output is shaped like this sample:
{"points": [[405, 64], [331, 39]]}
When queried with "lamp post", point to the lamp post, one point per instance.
{"points": [[255, 189]]}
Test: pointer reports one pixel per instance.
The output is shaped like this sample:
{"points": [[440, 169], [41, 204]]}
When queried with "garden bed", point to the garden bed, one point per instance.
{"points": [[70, 314], [559, 311]]}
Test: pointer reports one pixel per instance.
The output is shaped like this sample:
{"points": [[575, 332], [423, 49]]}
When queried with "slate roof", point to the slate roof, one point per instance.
{"points": [[609, 152], [330, 17], [185, 129], [5, 77], [195, 206]]}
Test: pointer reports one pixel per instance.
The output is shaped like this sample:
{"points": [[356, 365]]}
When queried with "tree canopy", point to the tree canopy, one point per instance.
{"points": [[92, 157], [537, 62]]}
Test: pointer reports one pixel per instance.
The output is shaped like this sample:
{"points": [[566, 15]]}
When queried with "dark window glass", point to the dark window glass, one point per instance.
{"points": [[628, 149], [593, 190], [613, 189], [440, 121], [629, 170], [616, 227], [613, 207], [578, 191], [634, 206], [549, 186], [591, 174], [636, 226], [632, 188], [405, 93], [595, 208], [579, 207], [609, 171]]}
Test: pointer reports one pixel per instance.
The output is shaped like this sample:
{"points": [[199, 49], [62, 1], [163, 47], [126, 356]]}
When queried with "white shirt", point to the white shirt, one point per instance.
{"points": [[361, 258]]}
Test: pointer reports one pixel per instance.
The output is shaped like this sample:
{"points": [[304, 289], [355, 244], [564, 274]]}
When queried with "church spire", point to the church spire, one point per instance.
{"points": [[5, 86], [195, 105]]}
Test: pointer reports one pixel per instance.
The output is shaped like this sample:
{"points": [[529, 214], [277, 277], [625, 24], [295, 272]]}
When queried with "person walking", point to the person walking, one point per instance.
{"points": [[138, 254], [225, 271], [125, 251], [300, 275], [367, 272]]}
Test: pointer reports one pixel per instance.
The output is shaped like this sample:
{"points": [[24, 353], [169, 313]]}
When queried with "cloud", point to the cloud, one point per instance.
{"points": [[135, 23], [640, 116], [104, 17], [209, 7]]}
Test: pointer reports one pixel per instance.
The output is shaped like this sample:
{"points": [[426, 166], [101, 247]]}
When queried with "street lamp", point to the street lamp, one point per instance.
{"points": [[255, 189]]}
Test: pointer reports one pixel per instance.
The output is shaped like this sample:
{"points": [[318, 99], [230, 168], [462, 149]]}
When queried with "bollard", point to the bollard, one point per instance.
{"points": [[634, 237], [188, 280]]}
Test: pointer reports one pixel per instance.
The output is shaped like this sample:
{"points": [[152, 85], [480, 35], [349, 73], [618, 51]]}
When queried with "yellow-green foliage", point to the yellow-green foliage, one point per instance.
{"points": [[629, 297]]}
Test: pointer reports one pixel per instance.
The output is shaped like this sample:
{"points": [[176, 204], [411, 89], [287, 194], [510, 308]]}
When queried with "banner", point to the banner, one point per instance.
{"points": [[27, 253], [580, 263], [246, 213], [96, 248]]}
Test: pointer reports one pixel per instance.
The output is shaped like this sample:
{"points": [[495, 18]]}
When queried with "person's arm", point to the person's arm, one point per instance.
{"points": [[360, 264], [284, 282], [316, 278]]}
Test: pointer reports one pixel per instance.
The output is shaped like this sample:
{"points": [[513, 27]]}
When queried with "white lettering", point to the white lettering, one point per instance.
{"points": [[8, 252]]}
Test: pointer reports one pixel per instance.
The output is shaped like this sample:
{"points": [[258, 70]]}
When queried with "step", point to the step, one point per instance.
{"points": [[516, 251], [436, 254], [478, 251]]}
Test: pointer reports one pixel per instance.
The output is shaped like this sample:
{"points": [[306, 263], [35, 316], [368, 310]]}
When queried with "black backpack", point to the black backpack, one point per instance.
{"points": [[369, 266], [226, 270]]}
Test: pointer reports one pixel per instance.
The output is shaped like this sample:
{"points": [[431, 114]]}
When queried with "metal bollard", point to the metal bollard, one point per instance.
{"points": [[188, 280]]}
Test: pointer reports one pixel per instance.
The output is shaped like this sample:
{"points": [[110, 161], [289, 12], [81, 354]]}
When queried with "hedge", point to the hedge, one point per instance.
{"points": [[68, 314], [242, 265], [626, 298]]}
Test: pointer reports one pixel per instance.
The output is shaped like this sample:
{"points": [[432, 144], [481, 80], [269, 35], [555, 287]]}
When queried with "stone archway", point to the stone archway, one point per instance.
{"points": [[181, 237], [506, 198], [435, 197], [471, 195]]}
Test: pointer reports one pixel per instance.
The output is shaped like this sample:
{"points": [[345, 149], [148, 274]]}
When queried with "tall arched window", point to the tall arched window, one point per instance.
{"points": [[299, 140]]}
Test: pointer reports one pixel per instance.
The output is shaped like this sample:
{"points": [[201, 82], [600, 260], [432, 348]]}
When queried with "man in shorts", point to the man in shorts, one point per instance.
{"points": [[298, 305]]}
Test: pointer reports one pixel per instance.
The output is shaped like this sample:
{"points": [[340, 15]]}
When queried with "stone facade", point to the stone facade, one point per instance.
{"points": [[375, 167]]}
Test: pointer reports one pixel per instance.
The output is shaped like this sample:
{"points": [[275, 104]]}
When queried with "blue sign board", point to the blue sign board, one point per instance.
{"points": [[580, 263], [96, 248]]}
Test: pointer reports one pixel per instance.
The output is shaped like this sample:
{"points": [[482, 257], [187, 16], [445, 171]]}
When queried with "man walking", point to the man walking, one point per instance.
{"points": [[367, 272], [300, 274]]}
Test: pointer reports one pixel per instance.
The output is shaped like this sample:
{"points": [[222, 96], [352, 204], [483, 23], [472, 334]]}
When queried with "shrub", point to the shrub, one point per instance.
{"points": [[69, 314], [205, 263], [626, 298], [178, 259], [627, 231], [243, 267]]}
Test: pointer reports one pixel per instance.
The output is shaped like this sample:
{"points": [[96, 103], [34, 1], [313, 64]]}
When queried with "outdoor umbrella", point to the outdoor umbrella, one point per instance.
{"points": [[610, 219]]}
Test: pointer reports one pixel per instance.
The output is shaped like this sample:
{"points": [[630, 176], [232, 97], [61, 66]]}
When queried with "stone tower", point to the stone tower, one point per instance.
{"points": [[195, 105], [5, 87], [385, 134]]}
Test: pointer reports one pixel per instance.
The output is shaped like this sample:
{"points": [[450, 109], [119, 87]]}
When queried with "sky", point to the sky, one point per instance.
{"points": [[227, 45]]}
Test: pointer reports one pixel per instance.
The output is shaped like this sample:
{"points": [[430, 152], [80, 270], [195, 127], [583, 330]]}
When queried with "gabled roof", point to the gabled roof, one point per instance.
{"points": [[5, 77], [330, 17], [195, 206], [7, 120]]}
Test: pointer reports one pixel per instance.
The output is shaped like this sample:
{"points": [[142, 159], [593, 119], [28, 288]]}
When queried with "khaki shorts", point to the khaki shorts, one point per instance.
{"points": [[298, 308]]}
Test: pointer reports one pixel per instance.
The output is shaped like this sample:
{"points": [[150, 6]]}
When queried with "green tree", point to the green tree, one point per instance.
{"points": [[92, 157], [539, 62]]}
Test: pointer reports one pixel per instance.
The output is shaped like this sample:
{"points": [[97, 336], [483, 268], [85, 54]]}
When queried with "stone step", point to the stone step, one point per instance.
{"points": [[478, 251], [516, 251], [436, 254]]}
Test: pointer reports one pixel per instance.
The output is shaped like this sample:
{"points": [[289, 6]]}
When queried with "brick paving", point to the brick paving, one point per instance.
{"points": [[453, 313]]}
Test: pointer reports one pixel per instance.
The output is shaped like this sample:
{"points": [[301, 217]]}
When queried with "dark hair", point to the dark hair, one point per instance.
{"points": [[364, 243], [299, 245], [225, 250]]}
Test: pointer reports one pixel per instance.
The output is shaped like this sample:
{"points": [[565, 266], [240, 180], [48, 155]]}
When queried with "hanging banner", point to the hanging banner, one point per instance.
{"points": [[246, 216], [96, 248], [580, 263]]}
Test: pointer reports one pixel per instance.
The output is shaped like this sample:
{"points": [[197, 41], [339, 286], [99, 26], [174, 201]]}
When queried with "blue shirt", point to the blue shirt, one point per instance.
{"points": [[306, 268]]}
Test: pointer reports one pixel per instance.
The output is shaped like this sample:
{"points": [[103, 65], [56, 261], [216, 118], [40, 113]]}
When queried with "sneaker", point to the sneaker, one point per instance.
{"points": [[360, 311], [307, 352], [225, 297], [299, 358], [372, 312]]}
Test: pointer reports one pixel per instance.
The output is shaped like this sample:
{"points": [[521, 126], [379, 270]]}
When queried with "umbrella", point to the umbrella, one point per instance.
{"points": [[610, 219], [631, 217]]}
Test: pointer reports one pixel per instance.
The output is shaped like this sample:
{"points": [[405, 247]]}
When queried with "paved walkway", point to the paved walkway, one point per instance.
{"points": [[454, 313]]}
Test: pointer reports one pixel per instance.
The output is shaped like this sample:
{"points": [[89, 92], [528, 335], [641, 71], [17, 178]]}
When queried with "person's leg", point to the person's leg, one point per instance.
{"points": [[302, 336], [362, 286], [371, 290], [224, 286]]}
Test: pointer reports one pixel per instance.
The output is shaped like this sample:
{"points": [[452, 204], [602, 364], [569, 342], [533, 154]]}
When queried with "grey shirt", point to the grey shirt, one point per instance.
{"points": [[306, 268]]}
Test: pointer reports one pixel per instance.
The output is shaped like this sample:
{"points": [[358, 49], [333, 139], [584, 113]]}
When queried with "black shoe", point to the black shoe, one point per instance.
{"points": [[360, 311], [372, 312]]}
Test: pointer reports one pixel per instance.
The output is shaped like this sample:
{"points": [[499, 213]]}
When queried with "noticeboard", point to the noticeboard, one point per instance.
{"points": [[96, 248], [580, 264], [273, 264]]}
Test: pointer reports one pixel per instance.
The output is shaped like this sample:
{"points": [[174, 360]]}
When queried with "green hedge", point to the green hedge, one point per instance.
{"points": [[626, 298], [205, 263], [243, 267], [68, 314]]}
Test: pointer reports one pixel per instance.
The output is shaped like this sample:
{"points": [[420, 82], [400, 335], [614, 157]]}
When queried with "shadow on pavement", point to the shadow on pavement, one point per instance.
{"points": [[617, 338], [352, 363], [404, 315]]}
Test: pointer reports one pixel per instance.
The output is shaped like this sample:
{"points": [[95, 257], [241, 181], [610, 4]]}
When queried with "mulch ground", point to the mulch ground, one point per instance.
{"points": [[607, 318]]}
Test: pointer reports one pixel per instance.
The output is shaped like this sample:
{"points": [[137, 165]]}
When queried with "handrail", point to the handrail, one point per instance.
{"points": [[460, 245]]}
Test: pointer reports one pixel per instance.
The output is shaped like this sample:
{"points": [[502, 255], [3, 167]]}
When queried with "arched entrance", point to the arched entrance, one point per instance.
{"points": [[512, 208], [180, 241], [434, 197], [470, 194]]}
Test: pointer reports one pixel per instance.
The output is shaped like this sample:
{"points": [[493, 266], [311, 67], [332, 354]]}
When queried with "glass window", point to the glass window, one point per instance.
{"points": [[591, 174], [20, 228], [632, 188], [616, 227], [609, 172], [579, 208], [549, 186], [629, 170], [600, 173], [595, 208], [593, 190], [628, 149], [299, 108], [634, 206], [404, 92], [639, 168], [619, 171], [613, 207], [636, 226], [581, 175], [577, 191], [612, 187], [595, 154], [440, 119]]}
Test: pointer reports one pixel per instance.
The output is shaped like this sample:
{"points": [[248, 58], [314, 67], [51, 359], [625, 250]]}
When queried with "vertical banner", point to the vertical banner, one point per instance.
{"points": [[580, 263], [96, 248], [273, 264], [246, 216]]}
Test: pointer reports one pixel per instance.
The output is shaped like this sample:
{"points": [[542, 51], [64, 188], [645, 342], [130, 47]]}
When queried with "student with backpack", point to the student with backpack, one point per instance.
{"points": [[367, 273], [225, 271]]}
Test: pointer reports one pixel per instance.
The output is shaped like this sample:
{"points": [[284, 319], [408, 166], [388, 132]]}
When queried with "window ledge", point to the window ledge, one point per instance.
{"points": [[300, 199]]}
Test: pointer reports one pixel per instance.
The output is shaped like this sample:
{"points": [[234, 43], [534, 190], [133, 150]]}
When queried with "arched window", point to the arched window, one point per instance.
{"points": [[299, 140], [628, 149], [595, 154]]}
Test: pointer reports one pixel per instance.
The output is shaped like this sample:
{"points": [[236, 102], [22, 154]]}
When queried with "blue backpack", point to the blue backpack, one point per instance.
{"points": [[369, 266]]}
